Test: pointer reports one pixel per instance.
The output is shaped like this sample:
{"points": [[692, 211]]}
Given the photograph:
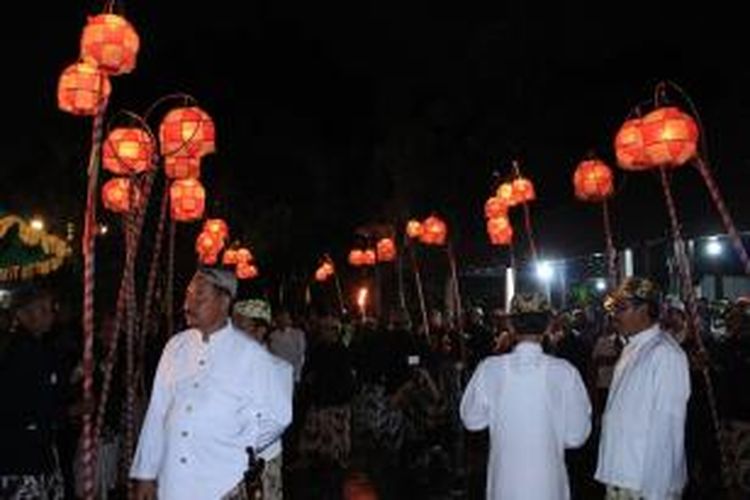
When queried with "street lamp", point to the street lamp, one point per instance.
{"points": [[37, 224], [544, 271], [600, 284], [714, 248]]}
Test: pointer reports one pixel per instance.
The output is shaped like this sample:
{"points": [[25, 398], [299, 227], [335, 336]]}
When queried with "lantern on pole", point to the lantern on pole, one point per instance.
{"points": [[188, 131], [434, 231], [187, 200], [112, 42], [500, 230], [128, 150], [414, 229], [523, 190], [386, 250], [670, 137], [82, 89], [593, 181]]}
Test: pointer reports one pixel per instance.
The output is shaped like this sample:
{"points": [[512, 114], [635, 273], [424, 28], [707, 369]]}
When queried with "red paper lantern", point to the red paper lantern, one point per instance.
{"points": [[180, 166], [82, 89], [111, 41], [670, 137], [500, 231], [187, 200], [593, 181], [507, 195], [244, 256], [321, 275], [209, 259], [218, 228], [495, 207], [386, 250], [208, 244], [523, 190], [127, 150], [230, 257], [356, 258], [246, 271], [629, 146], [434, 231], [187, 131], [116, 195], [414, 229], [369, 257]]}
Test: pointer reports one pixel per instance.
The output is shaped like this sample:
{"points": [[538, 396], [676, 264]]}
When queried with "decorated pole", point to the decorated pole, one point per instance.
{"points": [[611, 253], [420, 291]]}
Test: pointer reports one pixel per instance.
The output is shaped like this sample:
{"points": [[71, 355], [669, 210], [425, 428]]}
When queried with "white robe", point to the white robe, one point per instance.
{"points": [[642, 446], [535, 406], [210, 401]]}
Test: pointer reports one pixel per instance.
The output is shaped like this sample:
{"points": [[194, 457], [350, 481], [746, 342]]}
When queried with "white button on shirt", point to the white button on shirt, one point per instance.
{"points": [[535, 406], [210, 401], [643, 428]]}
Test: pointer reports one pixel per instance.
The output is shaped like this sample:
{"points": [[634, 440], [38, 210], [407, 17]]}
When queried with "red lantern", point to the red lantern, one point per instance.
{"points": [[218, 228], [209, 259], [112, 42], [187, 200], [180, 166], [500, 231], [369, 257], [187, 131], [386, 250], [357, 258], [321, 275], [523, 190], [507, 195], [246, 271], [82, 89], [244, 256], [414, 229], [208, 244], [230, 257], [495, 207], [670, 137], [434, 231], [116, 195], [629, 146], [593, 181], [127, 150]]}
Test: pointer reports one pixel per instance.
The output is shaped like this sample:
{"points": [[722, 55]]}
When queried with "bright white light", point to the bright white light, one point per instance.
{"points": [[544, 270], [103, 229], [37, 224], [600, 284], [714, 248], [362, 297]]}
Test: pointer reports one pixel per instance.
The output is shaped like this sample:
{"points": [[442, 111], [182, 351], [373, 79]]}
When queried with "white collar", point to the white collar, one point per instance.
{"points": [[528, 347], [216, 336], [643, 336]]}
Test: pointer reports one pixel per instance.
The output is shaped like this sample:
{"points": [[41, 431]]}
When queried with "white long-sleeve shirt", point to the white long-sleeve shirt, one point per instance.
{"points": [[535, 406], [210, 400], [643, 428]]}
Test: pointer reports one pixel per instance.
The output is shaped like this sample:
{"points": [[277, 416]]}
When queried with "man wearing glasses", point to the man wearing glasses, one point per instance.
{"points": [[642, 450]]}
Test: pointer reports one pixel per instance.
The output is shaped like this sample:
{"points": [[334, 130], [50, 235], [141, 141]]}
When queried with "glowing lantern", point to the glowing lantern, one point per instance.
{"points": [[82, 89], [369, 258], [181, 166], [414, 229], [495, 207], [593, 181], [112, 42], [217, 228], [507, 195], [434, 231], [116, 195], [386, 250], [523, 190], [209, 259], [670, 137], [127, 150], [187, 200], [321, 275], [246, 271], [187, 131], [629, 146], [208, 244], [244, 256], [500, 231], [327, 267], [356, 258], [230, 257]]}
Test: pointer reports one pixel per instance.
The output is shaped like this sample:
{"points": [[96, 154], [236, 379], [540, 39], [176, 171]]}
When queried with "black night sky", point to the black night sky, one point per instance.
{"points": [[333, 116]]}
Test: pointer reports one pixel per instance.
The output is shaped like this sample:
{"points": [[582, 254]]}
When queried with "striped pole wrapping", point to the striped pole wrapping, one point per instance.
{"points": [[420, 292], [529, 230], [88, 444], [726, 217], [683, 265]]}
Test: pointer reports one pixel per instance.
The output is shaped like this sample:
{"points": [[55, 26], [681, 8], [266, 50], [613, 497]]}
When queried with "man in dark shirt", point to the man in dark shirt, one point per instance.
{"points": [[30, 379]]}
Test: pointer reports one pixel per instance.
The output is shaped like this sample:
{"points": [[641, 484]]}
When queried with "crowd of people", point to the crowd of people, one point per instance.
{"points": [[611, 399]]}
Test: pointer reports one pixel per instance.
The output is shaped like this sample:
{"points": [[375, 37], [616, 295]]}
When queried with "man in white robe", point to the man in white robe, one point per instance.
{"points": [[642, 449], [215, 393], [535, 406]]}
